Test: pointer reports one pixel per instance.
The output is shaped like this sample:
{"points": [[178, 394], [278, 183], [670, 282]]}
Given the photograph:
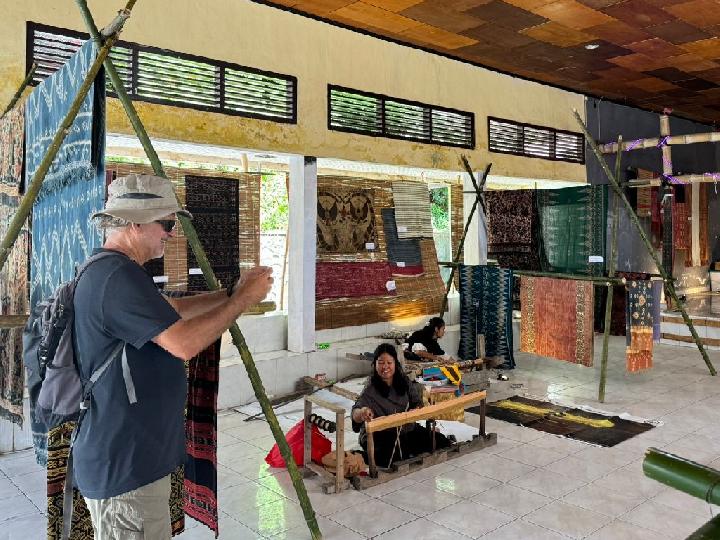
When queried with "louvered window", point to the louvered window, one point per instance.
{"points": [[172, 78], [382, 116], [508, 137]]}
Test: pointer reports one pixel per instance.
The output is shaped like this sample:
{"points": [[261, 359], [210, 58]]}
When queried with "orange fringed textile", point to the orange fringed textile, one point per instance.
{"points": [[557, 319]]}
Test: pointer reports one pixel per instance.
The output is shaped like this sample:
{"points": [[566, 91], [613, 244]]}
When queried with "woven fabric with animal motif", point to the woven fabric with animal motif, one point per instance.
{"points": [[345, 221]]}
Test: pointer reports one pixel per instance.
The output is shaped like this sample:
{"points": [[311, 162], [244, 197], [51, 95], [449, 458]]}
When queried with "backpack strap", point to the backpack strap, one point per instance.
{"points": [[68, 494]]}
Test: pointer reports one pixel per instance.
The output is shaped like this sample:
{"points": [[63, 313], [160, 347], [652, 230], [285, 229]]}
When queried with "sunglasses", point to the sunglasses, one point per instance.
{"points": [[167, 224]]}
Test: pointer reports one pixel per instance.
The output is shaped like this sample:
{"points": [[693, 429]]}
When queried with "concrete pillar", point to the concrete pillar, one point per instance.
{"points": [[475, 249], [302, 253]]}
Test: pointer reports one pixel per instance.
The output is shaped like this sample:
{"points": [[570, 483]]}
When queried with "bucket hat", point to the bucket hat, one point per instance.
{"points": [[141, 198]]}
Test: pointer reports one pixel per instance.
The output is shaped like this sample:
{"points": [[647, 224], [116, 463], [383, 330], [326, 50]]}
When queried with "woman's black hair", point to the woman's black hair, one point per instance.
{"points": [[436, 323], [400, 383]]}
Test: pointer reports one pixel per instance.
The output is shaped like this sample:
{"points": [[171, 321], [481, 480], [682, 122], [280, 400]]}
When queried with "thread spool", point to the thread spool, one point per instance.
{"points": [[322, 423]]}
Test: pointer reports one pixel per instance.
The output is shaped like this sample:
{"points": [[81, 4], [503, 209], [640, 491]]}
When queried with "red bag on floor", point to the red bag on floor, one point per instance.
{"points": [[321, 445]]}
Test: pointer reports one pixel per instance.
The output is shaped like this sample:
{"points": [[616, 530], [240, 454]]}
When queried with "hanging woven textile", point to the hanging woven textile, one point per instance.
{"points": [[696, 200], [352, 280], [573, 222], [74, 187], [657, 291], [557, 319], [412, 209], [200, 493], [345, 220], [639, 330], [12, 131], [214, 204], [680, 215], [404, 254], [486, 309], [14, 274], [512, 229]]}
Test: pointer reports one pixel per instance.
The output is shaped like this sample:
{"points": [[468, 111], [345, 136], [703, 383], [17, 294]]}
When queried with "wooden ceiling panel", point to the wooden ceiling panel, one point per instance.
{"points": [[506, 15], [652, 53], [438, 37], [678, 32], [366, 14], [557, 34], [429, 12], [638, 13], [700, 13], [572, 14]]}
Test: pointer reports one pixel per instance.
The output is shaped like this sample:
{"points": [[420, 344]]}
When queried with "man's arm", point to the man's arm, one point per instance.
{"points": [[189, 336], [197, 304]]}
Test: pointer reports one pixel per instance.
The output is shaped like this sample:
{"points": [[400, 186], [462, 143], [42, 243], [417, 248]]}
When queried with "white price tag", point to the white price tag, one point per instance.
{"points": [[402, 228], [160, 279], [370, 246], [195, 271], [595, 258], [390, 285], [400, 264]]}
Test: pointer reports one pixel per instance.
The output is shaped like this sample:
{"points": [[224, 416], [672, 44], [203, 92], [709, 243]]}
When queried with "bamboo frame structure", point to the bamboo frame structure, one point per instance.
{"points": [[669, 286], [478, 200], [194, 242], [612, 266], [642, 144], [23, 85]]}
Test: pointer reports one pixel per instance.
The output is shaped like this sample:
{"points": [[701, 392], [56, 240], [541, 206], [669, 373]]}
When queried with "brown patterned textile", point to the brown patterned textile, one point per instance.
{"points": [[557, 319], [513, 232], [12, 138], [345, 221], [639, 329]]}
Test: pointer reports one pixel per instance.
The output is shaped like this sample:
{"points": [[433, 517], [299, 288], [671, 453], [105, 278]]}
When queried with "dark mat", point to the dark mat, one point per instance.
{"points": [[576, 424]]}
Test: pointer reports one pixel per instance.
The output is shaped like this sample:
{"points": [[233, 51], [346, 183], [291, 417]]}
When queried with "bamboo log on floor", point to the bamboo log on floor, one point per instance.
{"points": [[458, 252], [670, 287], [20, 90], [612, 265], [35, 184], [194, 242]]}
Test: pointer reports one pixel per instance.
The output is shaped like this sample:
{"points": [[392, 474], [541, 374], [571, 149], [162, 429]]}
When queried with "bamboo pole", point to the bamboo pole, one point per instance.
{"points": [[461, 244], [648, 246], [682, 474], [595, 280], [194, 242], [20, 90], [612, 264], [654, 142], [33, 189]]}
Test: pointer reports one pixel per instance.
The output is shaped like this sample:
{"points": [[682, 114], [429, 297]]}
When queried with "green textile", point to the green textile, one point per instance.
{"points": [[573, 222]]}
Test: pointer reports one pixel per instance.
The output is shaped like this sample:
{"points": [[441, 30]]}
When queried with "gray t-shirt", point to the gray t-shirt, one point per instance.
{"points": [[123, 446]]}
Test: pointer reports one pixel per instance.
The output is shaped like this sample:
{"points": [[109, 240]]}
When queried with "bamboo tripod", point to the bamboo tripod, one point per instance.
{"points": [[479, 187], [188, 229], [667, 279]]}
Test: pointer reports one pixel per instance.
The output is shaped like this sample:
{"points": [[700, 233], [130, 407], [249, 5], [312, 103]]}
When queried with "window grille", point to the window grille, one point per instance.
{"points": [[508, 137]]}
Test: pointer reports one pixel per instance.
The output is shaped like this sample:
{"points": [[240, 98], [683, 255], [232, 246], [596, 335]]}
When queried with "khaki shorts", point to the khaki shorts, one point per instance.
{"points": [[140, 514]]}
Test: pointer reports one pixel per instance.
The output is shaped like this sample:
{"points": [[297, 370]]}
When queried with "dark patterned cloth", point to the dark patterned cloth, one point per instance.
{"points": [[214, 204], [573, 222], [512, 229], [345, 221], [200, 497], [13, 301], [406, 251], [352, 280], [12, 131], [557, 319], [639, 328], [486, 309]]}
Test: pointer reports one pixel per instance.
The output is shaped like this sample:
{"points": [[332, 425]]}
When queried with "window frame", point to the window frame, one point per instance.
{"points": [[553, 131]]}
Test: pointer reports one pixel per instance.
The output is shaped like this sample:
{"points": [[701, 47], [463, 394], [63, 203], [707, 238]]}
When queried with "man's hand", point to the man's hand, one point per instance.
{"points": [[254, 285]]}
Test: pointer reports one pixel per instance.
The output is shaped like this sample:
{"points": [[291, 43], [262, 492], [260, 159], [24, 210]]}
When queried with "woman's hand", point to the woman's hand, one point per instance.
{"points": [[363, 415]]}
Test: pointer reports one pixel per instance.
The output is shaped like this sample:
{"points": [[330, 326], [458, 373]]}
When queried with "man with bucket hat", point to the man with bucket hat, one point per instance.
{"points": [[132, 435]]}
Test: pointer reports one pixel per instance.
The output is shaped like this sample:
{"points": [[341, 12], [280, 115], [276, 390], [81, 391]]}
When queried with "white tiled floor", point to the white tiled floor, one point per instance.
{"points": [[530, 486]]}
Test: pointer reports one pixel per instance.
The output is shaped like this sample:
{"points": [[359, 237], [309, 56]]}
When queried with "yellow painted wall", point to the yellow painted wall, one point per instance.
{"points": [[259, 36]]}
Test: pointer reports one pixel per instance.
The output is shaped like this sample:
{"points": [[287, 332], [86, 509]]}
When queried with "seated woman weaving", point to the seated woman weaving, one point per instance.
{"points": [[389, 391], [422, 345]]}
